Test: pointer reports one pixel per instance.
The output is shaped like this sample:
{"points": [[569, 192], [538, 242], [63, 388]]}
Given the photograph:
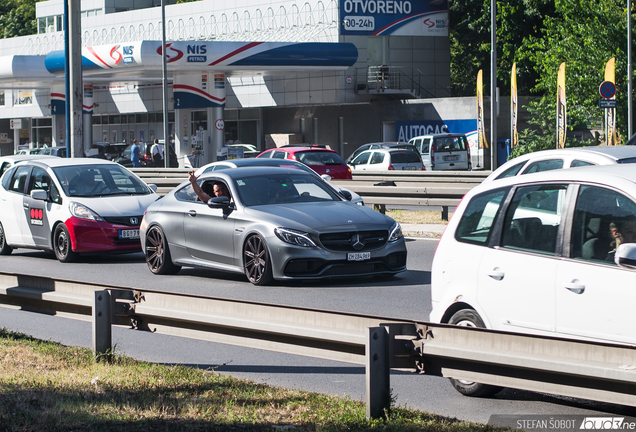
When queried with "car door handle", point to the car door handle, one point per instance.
{"points": [[25, 205], [192, 213], [575, 286], [496, 274]]}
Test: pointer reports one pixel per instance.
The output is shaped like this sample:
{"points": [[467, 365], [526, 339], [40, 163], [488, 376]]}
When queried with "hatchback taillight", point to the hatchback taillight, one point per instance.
{"points": [[391, 167]]}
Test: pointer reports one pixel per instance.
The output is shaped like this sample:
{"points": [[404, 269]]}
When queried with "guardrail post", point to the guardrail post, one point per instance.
{"points": [[377, 372], [102, 324], [445, 213]]}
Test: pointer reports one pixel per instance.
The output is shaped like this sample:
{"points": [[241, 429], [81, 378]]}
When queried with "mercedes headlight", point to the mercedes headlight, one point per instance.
{"points": [[395, 233], [82, 212], [297, 238]]}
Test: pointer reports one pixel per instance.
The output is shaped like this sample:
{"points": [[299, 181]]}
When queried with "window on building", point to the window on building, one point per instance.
{"points": [[22, 98], [1, 98]]}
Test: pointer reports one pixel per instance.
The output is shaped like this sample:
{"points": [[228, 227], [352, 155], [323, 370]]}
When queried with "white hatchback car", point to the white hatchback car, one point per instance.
{"points": [[72, 206], [387, 160], [538, 254], [572, 157]]}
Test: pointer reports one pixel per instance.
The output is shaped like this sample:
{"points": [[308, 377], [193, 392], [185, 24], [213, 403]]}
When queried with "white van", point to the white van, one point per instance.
{"points": [[443, 151]]}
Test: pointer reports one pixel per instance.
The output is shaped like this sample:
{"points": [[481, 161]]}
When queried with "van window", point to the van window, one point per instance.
{"points": [[450, 143], [425, 144]]}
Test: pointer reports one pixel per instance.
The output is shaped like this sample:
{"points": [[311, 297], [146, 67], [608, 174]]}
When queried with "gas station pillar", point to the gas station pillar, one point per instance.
{"points": [[203, 90]]}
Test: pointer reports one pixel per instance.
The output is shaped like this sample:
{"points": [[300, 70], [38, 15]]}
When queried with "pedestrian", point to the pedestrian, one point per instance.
{"points": [[134, 154], [157, 154]]}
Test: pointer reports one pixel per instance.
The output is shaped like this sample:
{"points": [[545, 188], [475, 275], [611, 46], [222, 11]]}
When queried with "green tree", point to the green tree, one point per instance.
{"points": [[17, 18], [517, 22], [584, 34]]}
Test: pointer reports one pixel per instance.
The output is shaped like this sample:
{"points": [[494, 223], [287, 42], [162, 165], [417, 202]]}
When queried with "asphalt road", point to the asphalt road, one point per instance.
{"points": [[404, 296]]}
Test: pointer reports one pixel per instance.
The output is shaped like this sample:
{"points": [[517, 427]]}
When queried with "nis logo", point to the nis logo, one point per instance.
{"points": [[128, 54], [197, 53]]}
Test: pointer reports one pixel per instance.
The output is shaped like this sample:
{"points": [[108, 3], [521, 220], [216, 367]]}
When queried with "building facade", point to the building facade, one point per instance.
{"points": [[332, 72]]}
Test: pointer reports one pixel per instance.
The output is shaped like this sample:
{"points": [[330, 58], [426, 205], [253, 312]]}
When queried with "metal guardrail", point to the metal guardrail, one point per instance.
{"points": [[425, 188], [595, 371]]}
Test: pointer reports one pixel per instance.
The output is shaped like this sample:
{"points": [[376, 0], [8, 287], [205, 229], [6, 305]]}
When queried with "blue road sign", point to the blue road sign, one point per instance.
{"points": [[607, 89]]}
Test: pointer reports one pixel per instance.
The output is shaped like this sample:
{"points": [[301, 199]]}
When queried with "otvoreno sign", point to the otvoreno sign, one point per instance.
{"points": [[394, 17]]}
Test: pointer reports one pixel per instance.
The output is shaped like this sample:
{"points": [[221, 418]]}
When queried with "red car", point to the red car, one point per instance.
{"points": [[320, 159]]}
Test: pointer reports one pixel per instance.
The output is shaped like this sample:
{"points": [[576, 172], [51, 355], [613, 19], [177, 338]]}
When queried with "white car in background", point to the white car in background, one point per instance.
{"points": [[538, 254], [381, 159], [572, 157], [72, 206], [7, 162]]}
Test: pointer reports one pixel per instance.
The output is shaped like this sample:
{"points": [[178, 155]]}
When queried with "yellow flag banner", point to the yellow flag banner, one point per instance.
{"points": [[514, 134], [610, 113], [561, 118], [481, 133]]}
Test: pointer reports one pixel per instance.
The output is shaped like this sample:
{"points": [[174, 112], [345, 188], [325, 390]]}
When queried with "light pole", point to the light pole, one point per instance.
{"points": [[493, 84], [164, 82]]}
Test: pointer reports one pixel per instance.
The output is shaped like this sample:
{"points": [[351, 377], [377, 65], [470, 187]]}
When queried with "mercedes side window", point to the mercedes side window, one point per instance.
{"points": [[6, 180], [533, 218], [477, 220], [19, 179], [599, 211], [186, 194]]}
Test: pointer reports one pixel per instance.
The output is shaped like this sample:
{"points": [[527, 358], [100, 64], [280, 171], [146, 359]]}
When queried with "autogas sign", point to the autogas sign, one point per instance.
{"points": [[394, 17]]}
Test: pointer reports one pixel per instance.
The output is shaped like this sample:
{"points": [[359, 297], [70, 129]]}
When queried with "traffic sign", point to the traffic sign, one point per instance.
{"points": [[607, 89], [607, 103]]}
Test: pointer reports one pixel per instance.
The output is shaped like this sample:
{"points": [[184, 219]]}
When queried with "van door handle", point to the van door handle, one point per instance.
{"points": [[575, 286], [496, 274], [192, 213], [25, 205]]}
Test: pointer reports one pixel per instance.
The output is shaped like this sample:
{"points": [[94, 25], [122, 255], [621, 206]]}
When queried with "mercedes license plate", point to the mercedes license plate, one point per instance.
{"points": [[451, 158], [409, 168], [358, 256], [129, 234]]}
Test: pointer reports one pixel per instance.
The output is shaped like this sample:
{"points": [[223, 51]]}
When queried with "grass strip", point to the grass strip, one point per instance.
{"points": [[45, 386]]}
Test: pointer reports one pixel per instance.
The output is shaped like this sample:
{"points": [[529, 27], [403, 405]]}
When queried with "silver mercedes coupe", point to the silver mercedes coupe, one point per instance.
{"points": [[278, 224]]}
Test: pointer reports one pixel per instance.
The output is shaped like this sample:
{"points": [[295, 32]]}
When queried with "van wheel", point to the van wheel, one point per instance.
{"points": [[470, 318], [5, 249]]}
